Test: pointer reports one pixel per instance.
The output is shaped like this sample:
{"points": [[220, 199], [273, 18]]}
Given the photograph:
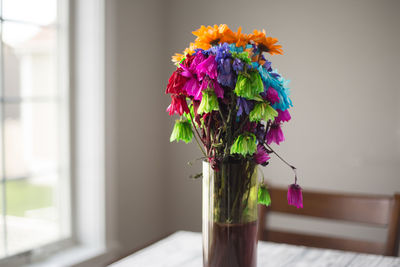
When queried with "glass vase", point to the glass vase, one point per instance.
{"points": [[230, 214]]}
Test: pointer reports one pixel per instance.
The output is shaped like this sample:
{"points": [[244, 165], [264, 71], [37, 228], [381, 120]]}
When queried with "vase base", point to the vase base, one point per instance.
{"points": [[232, 245]]}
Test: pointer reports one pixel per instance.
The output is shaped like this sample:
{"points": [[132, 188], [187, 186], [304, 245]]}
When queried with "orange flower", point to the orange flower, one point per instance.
{"points": [[265, 43], [209, 36], [241, 38]]}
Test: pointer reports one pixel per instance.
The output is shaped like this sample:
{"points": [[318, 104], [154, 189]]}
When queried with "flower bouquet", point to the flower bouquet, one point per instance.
{"points": [[233, 104]]}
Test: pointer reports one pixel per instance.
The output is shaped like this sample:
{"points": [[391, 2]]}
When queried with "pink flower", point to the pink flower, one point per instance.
{"points": [[294, 196], [272, 95], [207, 67], [261, 156], [178, 105], [283, 116], [275, 134], [192, 87]]}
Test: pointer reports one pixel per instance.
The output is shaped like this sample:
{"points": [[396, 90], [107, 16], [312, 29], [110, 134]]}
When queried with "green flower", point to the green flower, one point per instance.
{"points": [[263, 195], [245, 144], [182, 131], [249, 85], [209, 102], [262, 111], [243, 56]]}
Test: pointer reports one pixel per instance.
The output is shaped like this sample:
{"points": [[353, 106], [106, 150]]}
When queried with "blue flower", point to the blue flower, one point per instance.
{"points": [[236, 49], [237, 65]]}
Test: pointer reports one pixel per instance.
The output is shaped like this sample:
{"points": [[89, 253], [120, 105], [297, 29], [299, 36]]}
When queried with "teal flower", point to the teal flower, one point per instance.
{"points": [[263, 195], [249, 86], [245, 144], [182, 131], [209, 102], [262, 111]]}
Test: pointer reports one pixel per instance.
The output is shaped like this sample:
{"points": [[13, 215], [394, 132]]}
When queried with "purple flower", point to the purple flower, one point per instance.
{"points": [[226, 75], [222, 52], [272, 95], [275, 134], [237, 65], [243, 105], [283, 116], [261, 156], [267, 65], [294, 196], [207, 67]]}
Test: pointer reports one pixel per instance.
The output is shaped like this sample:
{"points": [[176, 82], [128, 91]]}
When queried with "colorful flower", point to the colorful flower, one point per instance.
{"points": [[226, 76], [263, 195], [261, 156], [275, 134], [209, 102], [176, 83], [272, 95], [295, 196], [243, 105], [207, 67], [249, 86], [182, 131], [178, 105], [262, 111], [267, 44], [283, 116], [245, 144]]}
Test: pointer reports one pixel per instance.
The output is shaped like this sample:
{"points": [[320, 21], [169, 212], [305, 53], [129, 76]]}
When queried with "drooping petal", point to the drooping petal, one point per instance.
{"points": [[283, 116], [176, 83], [209, 102], [207, 67], [245, 144], [182, 131], [178, 105], [262, 111], [249, 87], [263, 195], [272, 95], [261, 156], [295, 196], [275, 134]]}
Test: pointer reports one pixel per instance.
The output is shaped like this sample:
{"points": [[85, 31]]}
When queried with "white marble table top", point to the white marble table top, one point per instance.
{"points": [[184, 249]]}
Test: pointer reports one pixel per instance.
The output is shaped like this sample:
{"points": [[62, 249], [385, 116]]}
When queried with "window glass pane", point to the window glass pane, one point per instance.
{"points": [[29, 60], [43, 12], [31, 139], [32, 215]]}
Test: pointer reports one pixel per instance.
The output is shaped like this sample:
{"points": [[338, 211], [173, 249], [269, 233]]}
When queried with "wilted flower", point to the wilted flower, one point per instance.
{"points": [[261, 156], [283, 116], [176, 82], [237, 65], [263, 195], [249, 87], [295, 196], [245, 144], [275, 134], [182, 131], [272, 95], [178, 105], [208, 103], [207, 67], [243, 105], [262, 111], [226, 76]]}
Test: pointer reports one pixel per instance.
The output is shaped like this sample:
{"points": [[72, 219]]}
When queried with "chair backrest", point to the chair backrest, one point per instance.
{"points": [[380, 211]]}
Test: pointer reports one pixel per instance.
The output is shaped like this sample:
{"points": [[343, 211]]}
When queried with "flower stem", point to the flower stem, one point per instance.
{"points": [[284, 161], [196, 132]]}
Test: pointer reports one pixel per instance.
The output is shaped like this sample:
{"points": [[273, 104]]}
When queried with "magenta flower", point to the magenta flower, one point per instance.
{"points": [[272, 95], [207, 67], [178, 105], [261, 156], [294, 196], [275, 134], [283, 116]]}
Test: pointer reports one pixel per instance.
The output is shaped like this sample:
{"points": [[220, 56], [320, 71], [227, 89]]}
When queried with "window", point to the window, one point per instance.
{"points": [[34, 169]]}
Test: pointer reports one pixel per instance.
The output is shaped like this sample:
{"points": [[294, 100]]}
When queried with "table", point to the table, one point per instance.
{"points": [[184, 249]]}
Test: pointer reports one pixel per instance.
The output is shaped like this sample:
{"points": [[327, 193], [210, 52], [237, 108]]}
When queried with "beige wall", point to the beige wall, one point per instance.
{"points": [[344, 63]]}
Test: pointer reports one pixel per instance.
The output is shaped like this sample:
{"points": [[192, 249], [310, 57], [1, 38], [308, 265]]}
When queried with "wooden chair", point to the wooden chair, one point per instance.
{"points": [[380, 211]]}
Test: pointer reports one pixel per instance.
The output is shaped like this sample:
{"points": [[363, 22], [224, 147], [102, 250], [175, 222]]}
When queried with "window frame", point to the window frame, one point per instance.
{"points": [[91, 117]]}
